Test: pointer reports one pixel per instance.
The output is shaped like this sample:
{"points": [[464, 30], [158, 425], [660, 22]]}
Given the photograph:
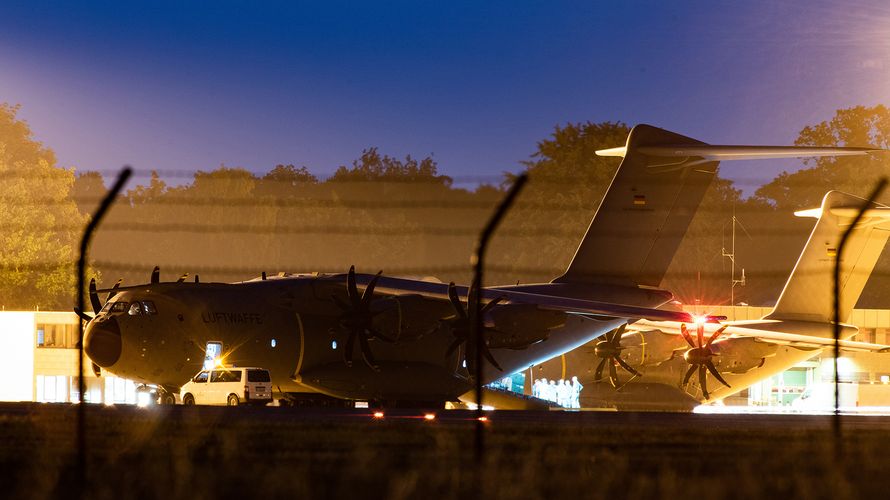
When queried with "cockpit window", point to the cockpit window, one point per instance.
{"points": [[118, 307], [135, 309], [148, 307]]}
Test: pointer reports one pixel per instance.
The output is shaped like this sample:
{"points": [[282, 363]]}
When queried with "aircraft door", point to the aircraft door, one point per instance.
{"points": [[212, 354]]}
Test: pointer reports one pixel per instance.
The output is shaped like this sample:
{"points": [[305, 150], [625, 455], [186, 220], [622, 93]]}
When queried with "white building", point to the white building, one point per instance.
{"points": [[40, 361]]}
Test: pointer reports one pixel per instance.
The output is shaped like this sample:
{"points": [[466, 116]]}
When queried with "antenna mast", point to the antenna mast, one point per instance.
{"points": [[731, 255]]}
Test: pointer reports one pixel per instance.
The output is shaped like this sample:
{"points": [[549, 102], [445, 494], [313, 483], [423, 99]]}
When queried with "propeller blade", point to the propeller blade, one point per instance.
{"points": [[97, 370], [490, 358], [685, 333], [366, 353], [114, 288], [703, 381], [347, 350], [715, 335], [156, 275], [613, 374], [197, 279], [455, 301], [616, 337], [599, 370], [94, 297], [454, 345], [627, 367], [351, 289], [688, 374], [715, 373], [263, 276], [369, 290], [84, 316], [700, 332], [491, 304], [182, 278]]}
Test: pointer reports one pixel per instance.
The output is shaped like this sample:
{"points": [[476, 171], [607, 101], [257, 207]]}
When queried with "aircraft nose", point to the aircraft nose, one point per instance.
{"points": [[102, 341]]}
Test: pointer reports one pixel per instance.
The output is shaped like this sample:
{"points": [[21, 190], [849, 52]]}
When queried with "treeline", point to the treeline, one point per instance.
{"points": [[399, 215]]}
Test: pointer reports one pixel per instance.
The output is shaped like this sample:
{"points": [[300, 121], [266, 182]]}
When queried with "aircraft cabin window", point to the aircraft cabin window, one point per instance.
{"points": [[149, 307], [135, 309], [119, 307], [201, 378]]}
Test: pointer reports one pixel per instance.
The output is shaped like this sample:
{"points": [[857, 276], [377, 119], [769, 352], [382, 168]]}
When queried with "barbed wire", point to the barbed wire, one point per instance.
{"points": [[495, 180], [363, 230], [318, 203], [254, 270]]}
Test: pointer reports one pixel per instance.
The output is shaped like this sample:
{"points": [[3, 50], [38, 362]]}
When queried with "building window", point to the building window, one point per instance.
{"points": [[57, 335], [52, 388]]}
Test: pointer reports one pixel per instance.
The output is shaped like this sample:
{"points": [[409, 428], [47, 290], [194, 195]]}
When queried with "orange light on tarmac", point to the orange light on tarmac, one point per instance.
{"points": [[378, 414], [429, 416]]}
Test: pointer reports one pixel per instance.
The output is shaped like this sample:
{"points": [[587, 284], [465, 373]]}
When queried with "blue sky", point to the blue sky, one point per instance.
{"points": [[192, 85]]}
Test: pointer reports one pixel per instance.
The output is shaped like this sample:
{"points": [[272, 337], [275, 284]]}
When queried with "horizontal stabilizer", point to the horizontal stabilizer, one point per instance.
{"points": [[847, 212], [724, 153]]}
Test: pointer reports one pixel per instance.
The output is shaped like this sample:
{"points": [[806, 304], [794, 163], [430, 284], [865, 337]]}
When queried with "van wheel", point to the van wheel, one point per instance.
{"points": [[188, 400], [232, 401]]}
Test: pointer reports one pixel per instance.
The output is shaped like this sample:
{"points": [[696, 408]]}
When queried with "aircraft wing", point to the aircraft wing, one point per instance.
{"points": [[772, 337], [439, 291]]}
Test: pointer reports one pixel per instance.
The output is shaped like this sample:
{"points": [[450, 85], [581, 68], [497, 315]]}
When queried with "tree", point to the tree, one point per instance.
{"points": [[41, 221], [88, 190], [857, 126]]}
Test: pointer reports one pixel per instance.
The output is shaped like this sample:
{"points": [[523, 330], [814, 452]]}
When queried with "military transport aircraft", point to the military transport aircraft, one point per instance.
{"points": [[412, 336], [652, 365]]}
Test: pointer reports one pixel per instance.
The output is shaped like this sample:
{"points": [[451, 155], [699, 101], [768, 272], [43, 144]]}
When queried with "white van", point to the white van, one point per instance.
{"points": [[228, 386]]}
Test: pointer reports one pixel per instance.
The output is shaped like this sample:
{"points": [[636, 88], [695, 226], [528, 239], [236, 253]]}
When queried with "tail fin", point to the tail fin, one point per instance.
{"points": [[808, 293], [651, 201]]}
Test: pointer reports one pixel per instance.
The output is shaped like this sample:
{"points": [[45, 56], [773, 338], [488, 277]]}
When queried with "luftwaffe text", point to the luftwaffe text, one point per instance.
{"points": [[233, 318]]}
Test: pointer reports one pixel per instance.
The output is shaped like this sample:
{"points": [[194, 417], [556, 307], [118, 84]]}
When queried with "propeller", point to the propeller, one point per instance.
{"points": [[699, 357], [94, 297], [113, 291], [357, 319], [156, 275], [609, 349], [461, 324]]}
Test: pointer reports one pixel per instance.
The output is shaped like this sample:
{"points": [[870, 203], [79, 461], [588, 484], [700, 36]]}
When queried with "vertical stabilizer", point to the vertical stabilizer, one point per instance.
{"points": [[808, 293], [645, 213]]}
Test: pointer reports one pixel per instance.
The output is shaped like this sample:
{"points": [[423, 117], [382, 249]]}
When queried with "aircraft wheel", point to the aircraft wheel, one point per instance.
{"points": [[188, 400], [233, 400], [168, 399]]}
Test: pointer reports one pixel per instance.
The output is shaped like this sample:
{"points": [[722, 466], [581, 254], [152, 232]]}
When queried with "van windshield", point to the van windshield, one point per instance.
{"points": [[258, 376]]}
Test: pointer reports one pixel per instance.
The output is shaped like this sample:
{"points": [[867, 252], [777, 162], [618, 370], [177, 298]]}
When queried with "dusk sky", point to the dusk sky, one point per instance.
{"points": [[189, 85]]}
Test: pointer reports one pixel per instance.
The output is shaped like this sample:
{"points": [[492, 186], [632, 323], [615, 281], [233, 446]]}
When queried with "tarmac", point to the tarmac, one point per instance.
{"points": [[222, 452]]}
